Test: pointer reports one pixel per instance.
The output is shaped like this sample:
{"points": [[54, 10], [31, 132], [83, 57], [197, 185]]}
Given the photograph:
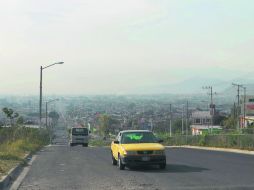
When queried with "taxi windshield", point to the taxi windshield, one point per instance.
{"points": [[138, 137]]}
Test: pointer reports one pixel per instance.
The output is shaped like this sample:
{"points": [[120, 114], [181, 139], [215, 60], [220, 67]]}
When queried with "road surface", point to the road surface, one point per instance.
{"points": [[63, 168]]}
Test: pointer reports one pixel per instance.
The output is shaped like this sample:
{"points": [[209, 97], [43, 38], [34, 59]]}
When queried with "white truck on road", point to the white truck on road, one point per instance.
{"points": [[79, 136]]}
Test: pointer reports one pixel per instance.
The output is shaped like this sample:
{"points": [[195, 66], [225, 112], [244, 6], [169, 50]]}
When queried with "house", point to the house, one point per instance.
{"points": [[201, 118], [247, 121], [202, 121], [247, 111], [249, 105]]}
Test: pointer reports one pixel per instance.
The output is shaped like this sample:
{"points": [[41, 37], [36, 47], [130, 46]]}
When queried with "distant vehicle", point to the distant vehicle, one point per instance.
{"points": [[137, 147], [79, 136]]}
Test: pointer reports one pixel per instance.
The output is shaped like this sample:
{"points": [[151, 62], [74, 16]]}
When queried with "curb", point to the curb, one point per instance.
{"points": [[12, 174], [248, 152]]}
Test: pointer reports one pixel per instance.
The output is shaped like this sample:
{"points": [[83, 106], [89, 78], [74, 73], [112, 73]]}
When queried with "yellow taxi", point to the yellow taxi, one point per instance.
{"points": [[137, 147]]}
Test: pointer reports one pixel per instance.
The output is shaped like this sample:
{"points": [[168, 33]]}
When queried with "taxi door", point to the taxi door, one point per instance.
{"points": [[115, 147]]}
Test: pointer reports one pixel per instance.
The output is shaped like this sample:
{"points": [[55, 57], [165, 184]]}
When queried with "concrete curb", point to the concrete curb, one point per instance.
{"points": [[248, 152], [12, 174]]}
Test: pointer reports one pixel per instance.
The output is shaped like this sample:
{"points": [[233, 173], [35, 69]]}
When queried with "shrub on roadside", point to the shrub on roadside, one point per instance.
{"points": [[241, 141]]}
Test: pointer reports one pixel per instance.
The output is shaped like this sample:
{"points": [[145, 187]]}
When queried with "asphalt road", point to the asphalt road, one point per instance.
{"points": [[62, 167]]}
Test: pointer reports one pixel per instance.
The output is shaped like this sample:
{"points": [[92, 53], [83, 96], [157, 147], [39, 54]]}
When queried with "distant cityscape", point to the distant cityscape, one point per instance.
{"points": [[154, 112]]}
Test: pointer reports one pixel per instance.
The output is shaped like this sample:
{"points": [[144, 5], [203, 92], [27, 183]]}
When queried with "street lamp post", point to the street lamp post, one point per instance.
{"points": [[50, 134], [41, 69]]}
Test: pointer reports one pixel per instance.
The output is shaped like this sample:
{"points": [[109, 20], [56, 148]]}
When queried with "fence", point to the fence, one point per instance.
{"points": [[239, 141]]}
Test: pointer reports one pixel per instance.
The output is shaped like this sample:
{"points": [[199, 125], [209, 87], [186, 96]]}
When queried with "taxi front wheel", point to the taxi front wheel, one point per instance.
{"points": [[121, 166], [114, 161]]}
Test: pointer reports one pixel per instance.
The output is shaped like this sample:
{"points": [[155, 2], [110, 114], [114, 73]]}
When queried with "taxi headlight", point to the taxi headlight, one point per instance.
{"points": [[159, 152]]}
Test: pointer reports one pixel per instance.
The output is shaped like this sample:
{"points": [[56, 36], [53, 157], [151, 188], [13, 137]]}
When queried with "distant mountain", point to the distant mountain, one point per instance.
{"points": [[195, 86]]}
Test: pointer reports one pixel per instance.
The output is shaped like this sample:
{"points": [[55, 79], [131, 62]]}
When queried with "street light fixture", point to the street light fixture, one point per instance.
{"points": [[41, 69]]}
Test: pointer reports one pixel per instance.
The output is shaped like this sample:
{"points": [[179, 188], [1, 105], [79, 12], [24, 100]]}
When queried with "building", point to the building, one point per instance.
{"points": [[202, 121], [249, 105], [247, 111]]}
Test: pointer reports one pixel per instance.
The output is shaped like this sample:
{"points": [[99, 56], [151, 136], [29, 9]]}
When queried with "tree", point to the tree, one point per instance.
{"points": [[20, 120], [177, 126], [229, 123], [54, 116], [104, 124], [107, 124], [10, 114], [218, 120]]}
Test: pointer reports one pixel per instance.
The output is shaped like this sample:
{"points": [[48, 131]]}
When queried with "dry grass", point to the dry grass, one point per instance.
{"points": [[12, 152], [6, 165]]}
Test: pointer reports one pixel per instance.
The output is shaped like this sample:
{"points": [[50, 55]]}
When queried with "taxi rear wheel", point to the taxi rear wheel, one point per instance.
{"points": [[121, 166]]}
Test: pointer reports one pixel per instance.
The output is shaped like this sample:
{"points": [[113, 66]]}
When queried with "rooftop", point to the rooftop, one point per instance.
{"points": [[201, 114]]}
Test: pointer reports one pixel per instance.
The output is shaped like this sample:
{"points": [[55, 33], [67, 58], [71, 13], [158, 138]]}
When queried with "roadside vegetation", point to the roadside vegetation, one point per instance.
{"points": [[98, 142], [16, 141], [106, 126], [222, 140], [227, 137]]}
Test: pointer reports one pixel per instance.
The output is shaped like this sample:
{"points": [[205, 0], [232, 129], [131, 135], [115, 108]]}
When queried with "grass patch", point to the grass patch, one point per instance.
{"points": [[99, 142], [20, 142], [6, 165], [237, 141]]}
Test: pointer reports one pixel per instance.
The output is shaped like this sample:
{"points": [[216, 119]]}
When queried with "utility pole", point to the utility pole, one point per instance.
{"points": [[40, 94], [234, 111], [244, 107], [187, 117], [211, 93], [46, 115], [170, 122], [238, 104], [182, 119], [212, 105]]}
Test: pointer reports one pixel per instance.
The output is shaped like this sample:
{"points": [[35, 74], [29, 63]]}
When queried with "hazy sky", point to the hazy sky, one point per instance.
{"points": [[121, 46]]}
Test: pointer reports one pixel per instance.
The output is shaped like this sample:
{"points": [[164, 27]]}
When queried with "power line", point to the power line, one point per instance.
{"points": [[212, 105], [211, 93]]}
